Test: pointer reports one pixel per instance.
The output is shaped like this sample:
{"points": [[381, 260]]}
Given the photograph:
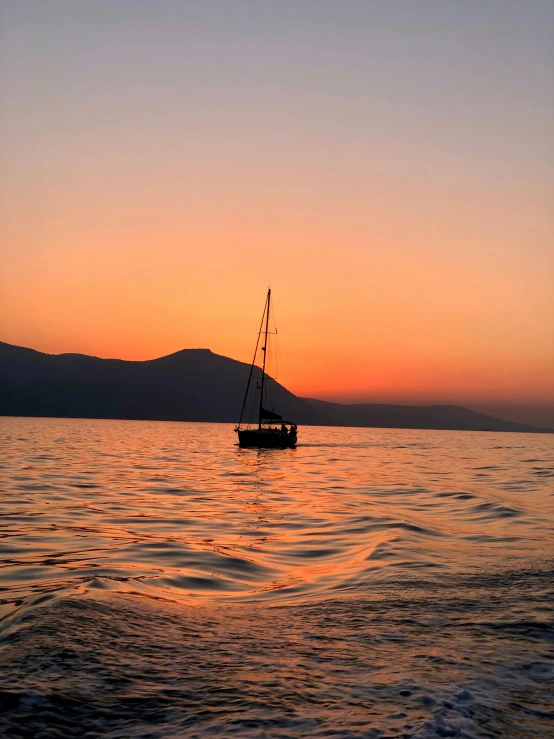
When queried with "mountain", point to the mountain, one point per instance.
{"points": [[190, 385]]}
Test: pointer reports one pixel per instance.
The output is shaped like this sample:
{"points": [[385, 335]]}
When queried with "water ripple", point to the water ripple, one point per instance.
{"points": [[182, 510]]}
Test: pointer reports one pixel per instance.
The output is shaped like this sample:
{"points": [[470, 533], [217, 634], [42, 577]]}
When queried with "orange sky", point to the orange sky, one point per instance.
{"points": [[401, 204]]}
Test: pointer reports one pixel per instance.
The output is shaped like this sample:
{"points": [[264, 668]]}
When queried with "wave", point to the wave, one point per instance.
{"points": [[406, 662]]}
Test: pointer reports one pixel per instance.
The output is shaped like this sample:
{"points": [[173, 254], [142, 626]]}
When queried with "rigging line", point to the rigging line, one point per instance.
{"points": [[252, 367], [284, 399], [276, 352], [264, 349]]}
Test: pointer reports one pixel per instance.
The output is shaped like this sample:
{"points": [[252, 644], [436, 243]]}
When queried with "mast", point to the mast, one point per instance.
{"points": [[264, 349], [251, 369]]}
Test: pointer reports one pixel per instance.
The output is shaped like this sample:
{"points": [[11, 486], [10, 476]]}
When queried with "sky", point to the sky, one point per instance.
{"points": [[386, 165]]}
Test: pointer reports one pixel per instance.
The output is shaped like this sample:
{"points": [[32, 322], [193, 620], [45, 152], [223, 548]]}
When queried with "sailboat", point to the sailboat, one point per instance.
{"points": [[265, 431]]}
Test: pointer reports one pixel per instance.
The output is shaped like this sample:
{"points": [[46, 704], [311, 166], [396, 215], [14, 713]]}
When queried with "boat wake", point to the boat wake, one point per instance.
{"points": [[407, 662]]}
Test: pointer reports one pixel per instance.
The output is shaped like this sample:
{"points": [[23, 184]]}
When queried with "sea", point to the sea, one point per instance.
{"points": [[158, 581]]}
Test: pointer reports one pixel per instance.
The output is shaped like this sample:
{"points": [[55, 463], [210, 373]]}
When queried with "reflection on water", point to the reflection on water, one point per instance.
{"points": [[369, 582], [178, 510]]}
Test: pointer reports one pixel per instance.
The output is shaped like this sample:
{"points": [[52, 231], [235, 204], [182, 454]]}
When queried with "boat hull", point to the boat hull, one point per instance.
{"points": [[266, 439]]}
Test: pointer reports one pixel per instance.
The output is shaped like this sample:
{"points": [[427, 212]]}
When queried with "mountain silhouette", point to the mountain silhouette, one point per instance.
{"points": [[190, 385]]}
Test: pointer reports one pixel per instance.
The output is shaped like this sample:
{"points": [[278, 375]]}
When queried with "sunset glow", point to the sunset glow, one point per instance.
{"points": [[401, 206]]}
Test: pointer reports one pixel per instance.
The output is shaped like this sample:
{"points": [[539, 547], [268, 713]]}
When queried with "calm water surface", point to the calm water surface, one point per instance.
{"points": [[158, 581]]}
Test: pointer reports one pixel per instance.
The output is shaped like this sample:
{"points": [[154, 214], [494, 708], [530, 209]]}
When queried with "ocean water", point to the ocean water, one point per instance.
{"points": [[158, 581]]}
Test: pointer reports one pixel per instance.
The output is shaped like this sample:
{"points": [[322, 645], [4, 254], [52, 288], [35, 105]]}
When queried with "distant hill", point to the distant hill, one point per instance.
{"points": [[416, 417], [190, 385]]}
